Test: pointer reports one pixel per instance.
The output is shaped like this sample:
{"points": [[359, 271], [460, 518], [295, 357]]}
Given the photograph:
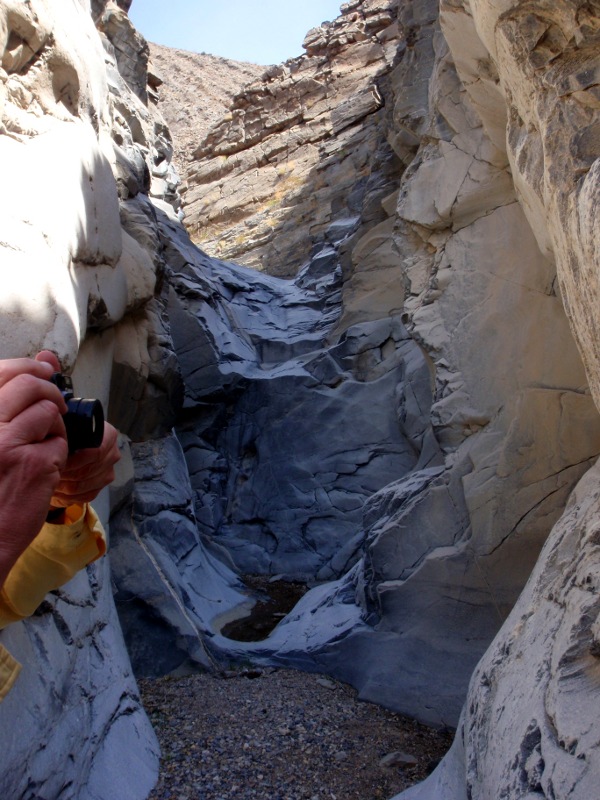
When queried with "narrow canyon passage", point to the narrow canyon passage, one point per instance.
{"points": [[351, 350]]}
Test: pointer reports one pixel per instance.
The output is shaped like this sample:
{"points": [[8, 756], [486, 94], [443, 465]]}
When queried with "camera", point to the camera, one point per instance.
{"points": [[84, 419]]}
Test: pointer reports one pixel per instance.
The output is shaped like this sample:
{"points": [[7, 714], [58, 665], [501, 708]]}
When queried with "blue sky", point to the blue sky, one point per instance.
{"points": [[262, 31]]}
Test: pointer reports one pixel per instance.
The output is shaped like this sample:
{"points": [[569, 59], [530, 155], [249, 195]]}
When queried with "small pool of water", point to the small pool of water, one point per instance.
{"points": [[276, 598]]}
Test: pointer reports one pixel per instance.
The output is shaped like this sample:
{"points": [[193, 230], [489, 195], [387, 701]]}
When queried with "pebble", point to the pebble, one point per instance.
{"points": [[281, 735], [398, 759]]}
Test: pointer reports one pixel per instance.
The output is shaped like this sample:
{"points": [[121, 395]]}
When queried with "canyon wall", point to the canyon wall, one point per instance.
{"points": [[195, 90], [450, 330], [398, 422], [74, 281], [301, 156], [529, 720]]}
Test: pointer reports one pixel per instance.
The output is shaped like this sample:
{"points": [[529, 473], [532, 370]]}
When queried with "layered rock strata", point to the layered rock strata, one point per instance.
{"points": [[300, 150]]}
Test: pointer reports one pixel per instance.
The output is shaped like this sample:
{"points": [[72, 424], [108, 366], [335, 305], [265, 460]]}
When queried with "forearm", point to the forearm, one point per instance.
{"points": [[18, 532]]}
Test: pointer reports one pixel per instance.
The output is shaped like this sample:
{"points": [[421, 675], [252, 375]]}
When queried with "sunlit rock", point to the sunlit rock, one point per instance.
{"points": [[490, 396], [300, 150], [73, 725]]}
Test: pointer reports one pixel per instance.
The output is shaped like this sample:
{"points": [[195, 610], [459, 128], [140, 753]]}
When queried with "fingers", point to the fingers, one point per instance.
{"points": [[48, 357], [11, 368], [50, 455], [25, 390], [36, 423], [31, 409], [68, 492], [87, 472], [86, 463], [25, 381]]}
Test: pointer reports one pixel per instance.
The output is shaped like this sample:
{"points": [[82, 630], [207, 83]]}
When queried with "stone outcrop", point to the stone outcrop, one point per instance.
{"points": [[528, 728], [531, 72], [74, 281], [300, 150], [486, 416], [398, 424], [550, 707]]}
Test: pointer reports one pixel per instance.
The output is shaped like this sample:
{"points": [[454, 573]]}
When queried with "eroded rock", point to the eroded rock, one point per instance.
{"points": [[399, 425], [527, 727], [195, 92], [300, 150], [72, 276], [493, 402]]}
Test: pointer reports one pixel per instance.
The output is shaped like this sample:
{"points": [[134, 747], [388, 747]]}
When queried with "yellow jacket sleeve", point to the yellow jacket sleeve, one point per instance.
{"points": [[56, 554]]}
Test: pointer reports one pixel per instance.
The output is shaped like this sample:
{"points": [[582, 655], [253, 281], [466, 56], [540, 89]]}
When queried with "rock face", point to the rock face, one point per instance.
{"points": [[528, 728], [543, 109], [399, 425], [74, 281], [483, 408], [283, 484], [533, 699], [301, 150]]}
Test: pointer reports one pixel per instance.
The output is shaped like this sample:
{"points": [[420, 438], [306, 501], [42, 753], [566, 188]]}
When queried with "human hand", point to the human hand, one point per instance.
{"points": [[33, 451], [87, 472]]}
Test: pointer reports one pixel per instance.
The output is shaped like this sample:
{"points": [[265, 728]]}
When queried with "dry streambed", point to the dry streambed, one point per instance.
{"points": [[282, 735]]}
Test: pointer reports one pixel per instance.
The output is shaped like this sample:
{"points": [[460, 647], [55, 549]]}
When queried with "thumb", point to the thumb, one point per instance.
{"points": [[49, 358]]}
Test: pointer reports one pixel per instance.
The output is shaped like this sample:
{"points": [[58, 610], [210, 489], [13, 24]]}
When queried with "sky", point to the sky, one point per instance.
{"points": [[261, 31]]}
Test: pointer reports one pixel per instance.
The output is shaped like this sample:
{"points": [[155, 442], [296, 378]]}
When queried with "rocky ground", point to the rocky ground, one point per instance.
{"points": [[282, 735]]}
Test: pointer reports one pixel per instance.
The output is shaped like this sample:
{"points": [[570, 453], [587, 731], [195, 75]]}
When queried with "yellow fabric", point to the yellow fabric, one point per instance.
{"points": [[9, 670], [56, 554]]}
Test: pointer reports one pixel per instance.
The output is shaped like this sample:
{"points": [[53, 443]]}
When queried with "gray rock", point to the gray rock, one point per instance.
{"points": [[282, 485], [528, 725], [399, 426], [331, 446], [170, 586], [351, 427], [398, 759], [73, 724]]}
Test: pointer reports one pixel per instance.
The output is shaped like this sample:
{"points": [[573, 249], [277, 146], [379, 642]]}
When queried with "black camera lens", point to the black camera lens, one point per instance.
{"points": [[84, 422], [84, 419]]}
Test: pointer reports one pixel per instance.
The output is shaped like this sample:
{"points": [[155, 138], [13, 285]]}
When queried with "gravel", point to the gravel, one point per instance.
{"points": [[282, 735]]}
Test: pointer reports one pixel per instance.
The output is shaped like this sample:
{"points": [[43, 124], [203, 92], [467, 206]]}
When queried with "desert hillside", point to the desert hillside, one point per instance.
{"points": [[196, 92]]}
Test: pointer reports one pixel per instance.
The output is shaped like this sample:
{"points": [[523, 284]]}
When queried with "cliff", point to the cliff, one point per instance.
{"points": [[74, 281], [405, 423], [300, 150]]}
